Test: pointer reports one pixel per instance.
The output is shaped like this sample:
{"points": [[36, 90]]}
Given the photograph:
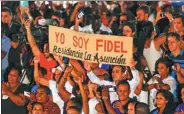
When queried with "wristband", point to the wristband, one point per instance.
{"points": [[104, 98]]}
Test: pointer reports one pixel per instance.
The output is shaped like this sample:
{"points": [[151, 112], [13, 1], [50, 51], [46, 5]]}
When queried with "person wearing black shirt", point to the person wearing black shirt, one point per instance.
{"points": [[13, 94], [12, 28]]}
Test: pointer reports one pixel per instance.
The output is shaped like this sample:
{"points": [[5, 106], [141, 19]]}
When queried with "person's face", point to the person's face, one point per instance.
{"points": [[127, 31], [173, 44], [123, 18], [182, 94], [93, 86], [46, 50], [131, 108], [6, 17], [162, 69], [13, 77], [94, 65], [57, 74], [178, 25], [62, 22], [117, 73], [37, 109], [41, 96], [123, 92], [72, 111], [161, 101], [141, 15]]}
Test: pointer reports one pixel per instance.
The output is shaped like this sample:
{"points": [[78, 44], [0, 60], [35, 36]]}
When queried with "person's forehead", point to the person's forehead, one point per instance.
{"points": [[123, 87], [5, 13], [140, 11], [41, 90], [117, 67], [178, 20], [171, 38], [13, 71]]}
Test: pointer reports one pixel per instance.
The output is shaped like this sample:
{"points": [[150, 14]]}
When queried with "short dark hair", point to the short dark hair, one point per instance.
{"points": [[179, 16], [123, 82], [142, 108], [75, 108], [76, 102], [165, 61], [18, 70], [6, 9], [47, 90], [173, 34], [131, 25], [122, 67], [145, 8]]}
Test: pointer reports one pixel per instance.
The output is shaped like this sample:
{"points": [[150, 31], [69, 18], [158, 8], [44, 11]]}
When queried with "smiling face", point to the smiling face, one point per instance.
{"points": [[123, 92], [117, 73], [162, 69], [13, 77]]}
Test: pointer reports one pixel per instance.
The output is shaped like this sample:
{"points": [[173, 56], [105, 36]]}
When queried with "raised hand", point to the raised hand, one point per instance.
{"points": [[36, 60], [68, 69], [119, 106]]}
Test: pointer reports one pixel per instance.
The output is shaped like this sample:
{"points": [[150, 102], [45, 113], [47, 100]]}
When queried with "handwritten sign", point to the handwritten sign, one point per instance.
{"points": [[107, 49]]}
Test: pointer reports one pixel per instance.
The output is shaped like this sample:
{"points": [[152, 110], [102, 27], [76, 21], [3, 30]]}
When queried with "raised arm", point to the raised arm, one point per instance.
{"points": [[30, 37], [139, 86], [106, 100], [64, 94], [85, 106], [75, 11], [78, 67], [37, 77]]}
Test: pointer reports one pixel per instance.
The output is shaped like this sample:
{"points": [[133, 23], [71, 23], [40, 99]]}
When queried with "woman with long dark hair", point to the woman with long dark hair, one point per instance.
{"points": [[164, 102]]}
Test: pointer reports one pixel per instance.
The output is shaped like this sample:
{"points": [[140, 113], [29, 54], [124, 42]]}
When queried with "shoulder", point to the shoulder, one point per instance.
{"points": [[155, 111]]}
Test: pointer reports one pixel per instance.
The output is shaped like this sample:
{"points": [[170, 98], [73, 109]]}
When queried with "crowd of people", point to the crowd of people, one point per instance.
{"points": [[35, 81]]}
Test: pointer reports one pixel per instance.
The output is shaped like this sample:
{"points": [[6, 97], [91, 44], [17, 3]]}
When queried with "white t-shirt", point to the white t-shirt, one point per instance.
{"points": [[92, 104], [56, 98], [134, 82], [169, 80]]}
